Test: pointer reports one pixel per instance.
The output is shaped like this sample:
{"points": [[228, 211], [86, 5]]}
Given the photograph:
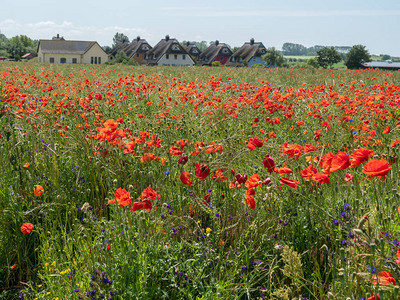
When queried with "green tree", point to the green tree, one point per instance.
{"points": [[274, 58], [293, 49], [356, 57], [328, 56], [313, 62], [385, 57], [119, 38]]}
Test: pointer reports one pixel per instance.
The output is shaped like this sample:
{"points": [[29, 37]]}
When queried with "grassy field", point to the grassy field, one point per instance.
{"points": [[126, 182]]}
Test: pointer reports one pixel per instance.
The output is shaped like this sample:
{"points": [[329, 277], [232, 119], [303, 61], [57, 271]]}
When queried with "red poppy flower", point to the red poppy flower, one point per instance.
{"points": [[27, 228], [123, 197], [384, 278], [289, 182], [250, 201], [39, 190], [386, 130], [374, 297], [202, 171], [253, 181], [309, 148], [377, 167], [149, 193], [321, 178], [326, 162], [175, 150], [256, 142], [185, 178], [359, 156], [292, 150], [308, 172], [219, 176], [283, 170], [339, 162], [269, 163], [146, 204]]}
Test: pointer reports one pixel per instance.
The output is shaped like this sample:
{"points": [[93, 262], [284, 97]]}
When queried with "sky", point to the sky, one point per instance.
{"points": [[372, 23]]}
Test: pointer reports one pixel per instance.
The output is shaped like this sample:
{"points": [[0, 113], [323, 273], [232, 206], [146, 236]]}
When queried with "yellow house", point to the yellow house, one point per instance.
{"points": [[61, 51]]}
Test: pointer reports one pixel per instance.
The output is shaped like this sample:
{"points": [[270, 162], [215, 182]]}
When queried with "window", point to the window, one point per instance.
{"points": [[91, 60], [175, 48], [52, 60], [175, 56], [183, 56], [137, 54], [99, 60], [145, 48], [74, 61], [95, 60], [195, 51], [63, 60], [166, 56], [154, 56]]}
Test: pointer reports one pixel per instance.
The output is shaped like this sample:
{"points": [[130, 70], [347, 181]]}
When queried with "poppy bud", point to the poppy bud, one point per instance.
{"points": [[267, 181], [256, 120]]}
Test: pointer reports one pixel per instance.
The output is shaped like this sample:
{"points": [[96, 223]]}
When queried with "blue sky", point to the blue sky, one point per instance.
{"points": [[373, 23]]}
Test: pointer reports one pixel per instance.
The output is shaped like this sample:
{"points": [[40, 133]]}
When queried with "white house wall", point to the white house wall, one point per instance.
{"points": [[95, 51], [179, 61]]}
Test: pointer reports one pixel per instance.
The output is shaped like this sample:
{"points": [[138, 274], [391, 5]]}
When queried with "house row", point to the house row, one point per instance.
{"points": [[168, 52]]}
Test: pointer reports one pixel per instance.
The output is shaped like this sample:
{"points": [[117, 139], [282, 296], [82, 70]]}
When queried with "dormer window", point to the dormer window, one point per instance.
{"points": [[175, 48], [195, 51], [145, 48], [225, 51]]}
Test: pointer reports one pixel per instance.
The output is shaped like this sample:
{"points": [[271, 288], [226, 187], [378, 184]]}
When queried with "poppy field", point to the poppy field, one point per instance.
{"points": [[122, 182]]}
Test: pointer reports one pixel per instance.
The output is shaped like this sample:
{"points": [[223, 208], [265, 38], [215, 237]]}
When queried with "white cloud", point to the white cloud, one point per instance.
{"points": [[70, 31]]}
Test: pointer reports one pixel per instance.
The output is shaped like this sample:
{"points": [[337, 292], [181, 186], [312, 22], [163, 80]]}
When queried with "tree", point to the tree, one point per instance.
{"points": [[328, 56], [293, 49], [119, 38], [106, 49], [313, 62], [274, 58], [385, 57], [356, 57]]}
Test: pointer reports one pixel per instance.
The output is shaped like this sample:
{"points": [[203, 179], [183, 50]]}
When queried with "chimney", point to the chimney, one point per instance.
{"points": [[58, 36], [167, 37], [138, 38], [251, 41], [216, 43]]}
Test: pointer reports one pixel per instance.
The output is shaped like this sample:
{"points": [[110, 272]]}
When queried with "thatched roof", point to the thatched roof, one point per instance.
{"points": [[165, 46], [214, 50], [132, 48], [246, 53]]}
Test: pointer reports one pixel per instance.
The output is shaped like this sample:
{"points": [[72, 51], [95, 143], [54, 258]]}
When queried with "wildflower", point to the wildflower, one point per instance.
{"points": [[202, 171], [291, 183], [27, 228], [208, 230], [39, 190], [377, 167], [185, 178]]}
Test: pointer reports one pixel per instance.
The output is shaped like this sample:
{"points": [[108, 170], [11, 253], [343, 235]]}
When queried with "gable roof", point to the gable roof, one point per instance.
{"points": [[247, 52], [130, 49], [191, 49], [65, 47], [165, 46], [208, 55]]}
